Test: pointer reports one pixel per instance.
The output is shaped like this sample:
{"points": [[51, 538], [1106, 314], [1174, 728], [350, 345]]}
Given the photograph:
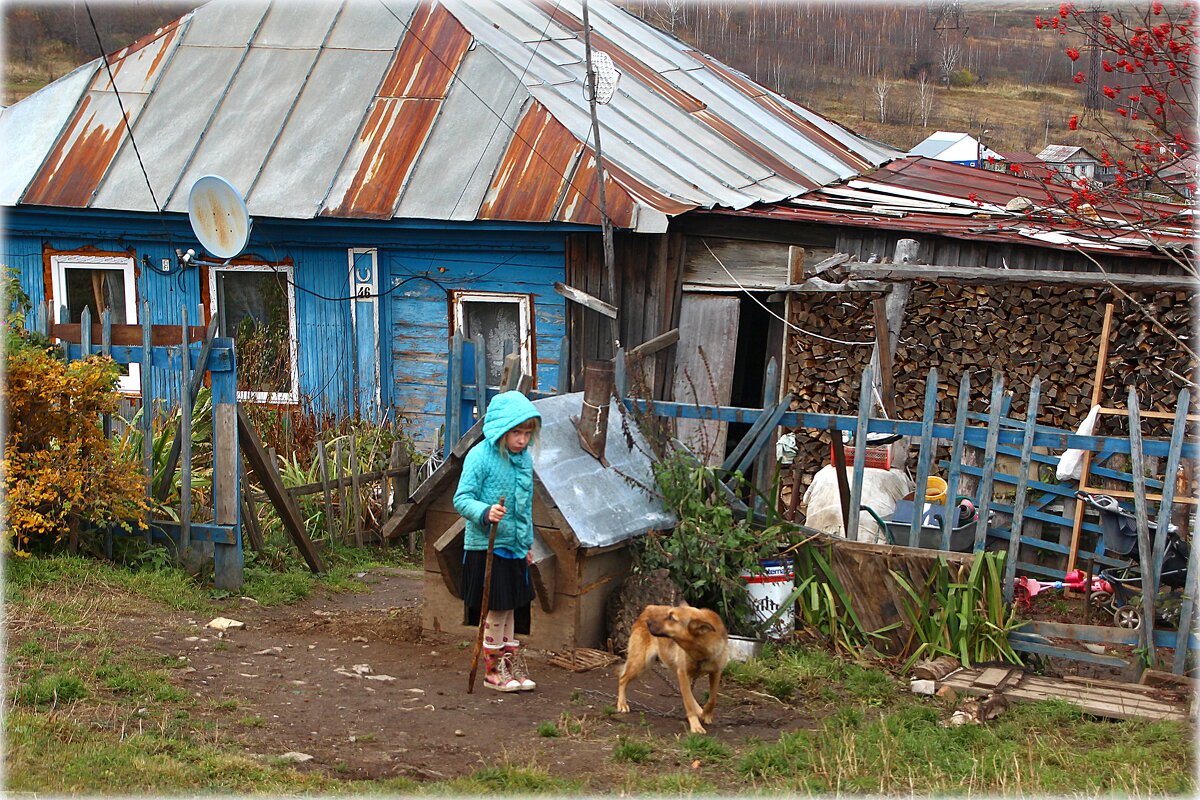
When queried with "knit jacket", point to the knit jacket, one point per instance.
{"points": [[490, 471]]}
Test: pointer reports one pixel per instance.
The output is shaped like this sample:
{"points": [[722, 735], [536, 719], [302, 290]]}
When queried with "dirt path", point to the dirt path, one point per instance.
{"points": [[297, 677]]}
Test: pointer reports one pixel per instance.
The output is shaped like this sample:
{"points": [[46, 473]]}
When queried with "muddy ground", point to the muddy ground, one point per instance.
{"points": [[351, 680]]}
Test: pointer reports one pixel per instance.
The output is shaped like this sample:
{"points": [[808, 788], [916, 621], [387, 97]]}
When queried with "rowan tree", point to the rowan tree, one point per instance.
{"points": [[1142, 60]]}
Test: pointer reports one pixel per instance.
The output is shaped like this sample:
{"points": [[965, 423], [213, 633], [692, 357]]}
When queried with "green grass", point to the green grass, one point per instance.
{"points": [[548, 730], [1034, 748], [512, 779], [637, 751], [48, 754]]}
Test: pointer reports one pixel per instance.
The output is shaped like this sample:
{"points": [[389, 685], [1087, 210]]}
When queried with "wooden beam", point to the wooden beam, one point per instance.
{"points": [[127, 335], [985, 275], [652, 346], [586, 300], [821, 285], [260, 464]]}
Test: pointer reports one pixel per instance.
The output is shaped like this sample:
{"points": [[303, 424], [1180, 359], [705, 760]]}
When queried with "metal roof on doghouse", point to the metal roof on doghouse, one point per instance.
{"points": [[604, 505], [453, 110]]}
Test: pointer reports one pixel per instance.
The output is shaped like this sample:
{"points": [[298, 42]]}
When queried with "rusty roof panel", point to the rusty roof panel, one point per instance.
{"points": [[70, 174], [392, 136], [582, 200], [455, 167], [137, 67], [30, 129], [530, 180], [317, 135], [428, 57]]}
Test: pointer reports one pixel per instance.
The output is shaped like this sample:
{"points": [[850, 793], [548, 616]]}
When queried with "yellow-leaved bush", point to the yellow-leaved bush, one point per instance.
{"points": [[59, 468]]}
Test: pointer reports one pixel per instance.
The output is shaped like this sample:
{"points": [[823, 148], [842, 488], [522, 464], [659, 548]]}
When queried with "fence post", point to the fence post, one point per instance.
{"points": [[1145, 553], [989, 463], [481, 398], [1163, 523], [454, 384], [860, 451], [1018, 517], [956, 451], [194, 557], [323, 461], [147, 416], [924, 459]]}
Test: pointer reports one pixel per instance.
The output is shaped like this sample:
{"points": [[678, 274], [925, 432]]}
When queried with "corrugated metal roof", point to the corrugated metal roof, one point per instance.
{"points": [[924, 195], [384, 108]]}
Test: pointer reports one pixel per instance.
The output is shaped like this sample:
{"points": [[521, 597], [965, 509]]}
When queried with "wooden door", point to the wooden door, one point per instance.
{"points": [[708, 328]]}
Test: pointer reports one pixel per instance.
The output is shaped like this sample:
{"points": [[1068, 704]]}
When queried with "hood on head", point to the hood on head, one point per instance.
{"points": [[506, 411]]}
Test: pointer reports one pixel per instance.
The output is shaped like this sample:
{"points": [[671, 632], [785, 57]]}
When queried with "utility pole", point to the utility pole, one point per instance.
{"points": [[605, 222]]}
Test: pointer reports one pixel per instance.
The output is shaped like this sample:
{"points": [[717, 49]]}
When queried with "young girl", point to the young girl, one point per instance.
{"points": [[500, 466]]}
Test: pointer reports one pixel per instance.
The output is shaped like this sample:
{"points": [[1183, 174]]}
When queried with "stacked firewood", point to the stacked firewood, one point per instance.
{"points": [[1019, 330]]}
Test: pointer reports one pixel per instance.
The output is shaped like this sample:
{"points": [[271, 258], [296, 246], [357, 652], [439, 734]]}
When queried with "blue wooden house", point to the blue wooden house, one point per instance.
{"points": [[412, 169]]}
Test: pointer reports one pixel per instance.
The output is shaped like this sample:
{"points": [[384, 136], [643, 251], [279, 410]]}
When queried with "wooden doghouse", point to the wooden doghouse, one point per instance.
{"points": [[584, 515]]}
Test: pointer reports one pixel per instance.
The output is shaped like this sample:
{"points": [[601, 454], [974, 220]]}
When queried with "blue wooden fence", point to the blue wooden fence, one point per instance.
{"points": [[189, 360]]}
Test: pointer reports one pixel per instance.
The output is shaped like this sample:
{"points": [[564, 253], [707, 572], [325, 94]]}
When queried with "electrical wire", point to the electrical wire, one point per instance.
{"points": [[794, 327]]}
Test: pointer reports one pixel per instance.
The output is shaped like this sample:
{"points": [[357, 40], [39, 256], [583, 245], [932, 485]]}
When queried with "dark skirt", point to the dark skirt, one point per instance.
{"points": [[511, 588]]}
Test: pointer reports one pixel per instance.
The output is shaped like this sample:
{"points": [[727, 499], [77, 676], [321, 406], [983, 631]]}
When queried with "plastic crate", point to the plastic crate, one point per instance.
{"points": [[877, 457]]}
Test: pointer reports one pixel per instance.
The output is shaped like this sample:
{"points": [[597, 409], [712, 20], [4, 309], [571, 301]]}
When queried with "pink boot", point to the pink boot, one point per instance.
{"points": [[520, 673], [496, 670]]}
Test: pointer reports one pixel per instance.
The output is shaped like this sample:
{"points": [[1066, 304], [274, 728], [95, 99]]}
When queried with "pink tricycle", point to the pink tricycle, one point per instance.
{"points": [[1025, 589]]}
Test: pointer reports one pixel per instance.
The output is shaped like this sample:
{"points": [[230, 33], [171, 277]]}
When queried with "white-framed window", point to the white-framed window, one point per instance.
{"points": [[80, 281], [255, 305], [504, 320]]}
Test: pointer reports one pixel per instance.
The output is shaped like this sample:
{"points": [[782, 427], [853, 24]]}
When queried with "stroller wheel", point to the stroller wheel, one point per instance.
{"points": [[1127, 617], [1101, 599]]}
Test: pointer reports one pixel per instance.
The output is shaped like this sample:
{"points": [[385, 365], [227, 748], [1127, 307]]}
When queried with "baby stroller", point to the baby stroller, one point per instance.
{"points": [[1119, 530]]}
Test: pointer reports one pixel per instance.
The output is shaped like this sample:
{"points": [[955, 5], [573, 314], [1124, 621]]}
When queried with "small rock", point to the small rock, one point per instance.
{"points": [[247, 675], [362, 669], [420, 691], [923, 686], [696, 764], [270, 651], [224, 624], [295, 756], [947, 693], [459, 733], [191, 639], [1095, 648], [359, 639], [360, 574]]}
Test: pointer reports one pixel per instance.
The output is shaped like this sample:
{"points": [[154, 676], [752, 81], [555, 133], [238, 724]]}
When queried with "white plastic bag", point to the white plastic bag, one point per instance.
{"points": [[1070, 463], [881, 489]]}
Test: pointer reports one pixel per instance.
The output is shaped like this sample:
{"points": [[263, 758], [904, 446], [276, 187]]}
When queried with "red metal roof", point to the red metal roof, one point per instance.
{"points": [[929, 196]]}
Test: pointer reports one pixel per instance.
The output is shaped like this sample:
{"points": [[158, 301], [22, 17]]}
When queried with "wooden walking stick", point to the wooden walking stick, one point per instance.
{"points": [[483, 601]]}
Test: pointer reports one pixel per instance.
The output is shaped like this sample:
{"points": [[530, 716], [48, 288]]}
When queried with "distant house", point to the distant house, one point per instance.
{"points": [[1074, 161], [957, 148], [1182, 176], [1025, 163]]}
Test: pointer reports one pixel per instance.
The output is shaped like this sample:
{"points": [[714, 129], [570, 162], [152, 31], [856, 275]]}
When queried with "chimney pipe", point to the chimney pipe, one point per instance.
{"points": [[592, 423]]}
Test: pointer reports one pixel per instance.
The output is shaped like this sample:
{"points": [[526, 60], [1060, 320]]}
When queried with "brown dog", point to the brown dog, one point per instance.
{"points": [[690, 642]]}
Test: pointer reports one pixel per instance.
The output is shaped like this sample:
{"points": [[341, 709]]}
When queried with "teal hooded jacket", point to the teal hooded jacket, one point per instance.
{"points": [[490, 471]]}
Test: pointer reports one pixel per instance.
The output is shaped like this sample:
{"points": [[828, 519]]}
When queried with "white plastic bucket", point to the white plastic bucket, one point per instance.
{"points": [[769, 590]]}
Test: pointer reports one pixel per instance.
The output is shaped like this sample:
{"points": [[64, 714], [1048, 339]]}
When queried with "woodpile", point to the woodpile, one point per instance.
{"points": [[1020, 330]]}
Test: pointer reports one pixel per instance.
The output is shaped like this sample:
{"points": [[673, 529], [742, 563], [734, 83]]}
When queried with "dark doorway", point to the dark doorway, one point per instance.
{"points": [[757, 341]]}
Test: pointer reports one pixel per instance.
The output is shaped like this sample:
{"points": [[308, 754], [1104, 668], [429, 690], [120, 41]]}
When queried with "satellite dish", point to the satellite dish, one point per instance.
{"points": [[218, 216]]}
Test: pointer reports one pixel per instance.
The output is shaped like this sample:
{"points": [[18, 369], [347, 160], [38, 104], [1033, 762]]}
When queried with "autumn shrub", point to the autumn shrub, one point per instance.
{"points": [[60, 471]]}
